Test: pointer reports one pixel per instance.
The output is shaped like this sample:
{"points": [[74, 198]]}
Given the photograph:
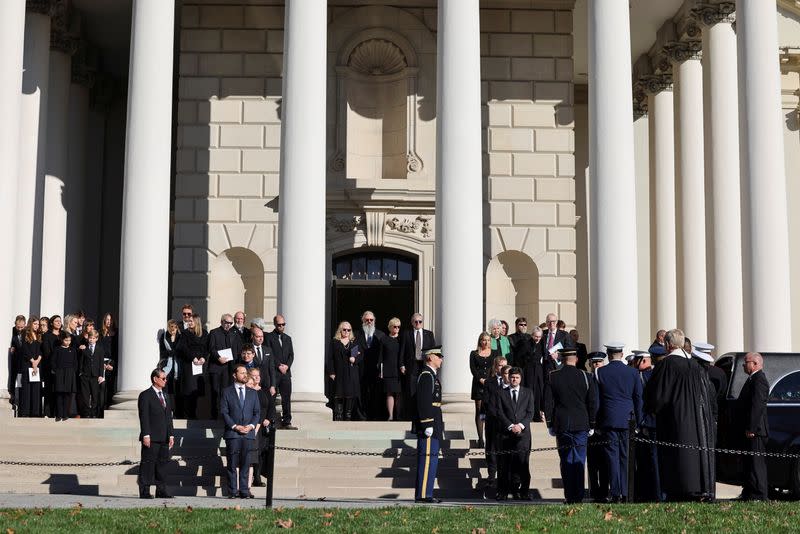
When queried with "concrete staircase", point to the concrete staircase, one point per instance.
{"points": [[297, 474]]}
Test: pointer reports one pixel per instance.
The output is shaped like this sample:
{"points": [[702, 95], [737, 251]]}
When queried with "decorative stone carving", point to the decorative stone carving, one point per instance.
{"points": [[639, 100], [422, 225], [344, 224], [376, 228], [655, 83], [685, 50], [377, 57], [710, 14]]}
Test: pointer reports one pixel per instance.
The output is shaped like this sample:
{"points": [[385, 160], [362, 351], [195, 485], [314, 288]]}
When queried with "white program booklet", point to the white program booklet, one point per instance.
{"points": [[225, 355], [556, 347], [197, 369], [34, 377]]}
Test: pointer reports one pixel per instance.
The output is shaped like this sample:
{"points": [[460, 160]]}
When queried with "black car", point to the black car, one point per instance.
{"points": [[783, 412]]}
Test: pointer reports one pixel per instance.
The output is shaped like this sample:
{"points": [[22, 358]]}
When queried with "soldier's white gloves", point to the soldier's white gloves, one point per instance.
{"points": [[429, 431], [591, 432]]}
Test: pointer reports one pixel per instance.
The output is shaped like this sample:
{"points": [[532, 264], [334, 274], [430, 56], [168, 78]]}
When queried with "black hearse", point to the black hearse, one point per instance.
{"points": [[783, 411]]}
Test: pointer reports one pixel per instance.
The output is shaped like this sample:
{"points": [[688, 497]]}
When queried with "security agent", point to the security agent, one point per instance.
{"points": [[595, 458], [646, 479], [430, 427], [570, 409], [620, 391]]}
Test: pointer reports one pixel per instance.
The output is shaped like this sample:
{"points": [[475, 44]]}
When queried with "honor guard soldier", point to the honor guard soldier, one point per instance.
{"points": [[430, 427], [595, 458], [620, 391]]}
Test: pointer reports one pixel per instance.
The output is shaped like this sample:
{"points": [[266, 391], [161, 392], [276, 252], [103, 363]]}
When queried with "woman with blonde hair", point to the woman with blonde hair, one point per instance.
{"points": [[390, 366], [480, 365], [192, 353], [343, 368]]}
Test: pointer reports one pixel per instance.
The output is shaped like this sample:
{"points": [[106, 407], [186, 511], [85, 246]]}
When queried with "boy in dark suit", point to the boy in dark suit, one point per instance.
{"points": [[90, 362], [156, 435], [514, 409], [241, 411]]}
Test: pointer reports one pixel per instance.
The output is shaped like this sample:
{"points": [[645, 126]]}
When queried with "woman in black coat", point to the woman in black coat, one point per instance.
{"points": [[168, 361], [390, 365], [192, 353], [480, 365], [50, 341], [30, 402], [343, 368], [63, 370]]}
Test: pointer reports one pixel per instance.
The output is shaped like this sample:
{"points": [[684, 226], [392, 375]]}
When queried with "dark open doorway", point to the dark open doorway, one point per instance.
{"points": [[381, 281]]}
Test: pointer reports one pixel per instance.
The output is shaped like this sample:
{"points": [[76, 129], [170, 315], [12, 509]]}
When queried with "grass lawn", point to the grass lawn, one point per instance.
{"points": [[709, 519]]}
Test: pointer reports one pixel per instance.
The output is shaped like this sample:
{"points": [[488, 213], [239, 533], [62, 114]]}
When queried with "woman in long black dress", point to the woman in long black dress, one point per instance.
{"points": [[192, 352], [389, 365], [30, 402], [64, 375], [109, 338], [480, 365], [343, 369], [50, 341]]}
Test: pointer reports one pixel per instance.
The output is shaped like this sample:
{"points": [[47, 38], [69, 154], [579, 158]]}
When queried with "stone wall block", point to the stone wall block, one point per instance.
{"points": [[563, 22], [184, 210], [271, 185], [536, 244], [511, 139], [534, 165], [275, 41], [499, 114], [568, 312], [197, 136], [562, 189], [238, 135], [182, 259], [255, 210], [499, 164], [495, 20], [263, 64], [185, 160], [220, 65], [533, 115], [559, 92], [532, 21], [555, 141], [272, 135], [223, 210], [187, 64], [552, 45], [534, 213], [189, 284], [242, 88], [221, 16], [200, 40], [195, 185], [510, 45], [187, 112], [268, 17], [240, 185], [561, 239], [511, 91], [532, 68], [567, 264], [190, 16], [557, 288], [229, 111], [219, 160], [566, 214], [513, 237], [500, 213], [564, 69], [244, 40], [510, 188], [566, 165], [548, 266], [262, 160], [189, 234], [198, 88], [495, 68]]}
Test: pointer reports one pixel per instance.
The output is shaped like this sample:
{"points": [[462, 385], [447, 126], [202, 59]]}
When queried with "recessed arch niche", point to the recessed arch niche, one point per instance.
{"points": [[512, 287], [237, 282]]}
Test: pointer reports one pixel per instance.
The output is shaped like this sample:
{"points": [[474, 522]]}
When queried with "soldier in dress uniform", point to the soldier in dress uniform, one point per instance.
{"points": [[595, 459], [620, 391], [430, 427]]}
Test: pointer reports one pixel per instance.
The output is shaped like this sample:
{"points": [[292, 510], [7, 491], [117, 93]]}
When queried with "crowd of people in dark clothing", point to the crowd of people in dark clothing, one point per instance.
{"points": [[62, 368]]}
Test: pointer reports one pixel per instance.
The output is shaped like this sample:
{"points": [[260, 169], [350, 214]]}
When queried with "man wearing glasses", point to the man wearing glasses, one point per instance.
{"points": [[369, 339], [220, 366], [157, 436], [283, 355], [186, 314]]}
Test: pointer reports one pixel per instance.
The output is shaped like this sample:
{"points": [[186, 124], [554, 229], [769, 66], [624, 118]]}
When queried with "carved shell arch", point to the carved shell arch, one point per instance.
{"points": [[377, 57]]}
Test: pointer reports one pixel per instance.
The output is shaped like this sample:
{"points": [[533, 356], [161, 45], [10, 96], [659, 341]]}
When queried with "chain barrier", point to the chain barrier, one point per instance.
{"points": [[460, 453]]}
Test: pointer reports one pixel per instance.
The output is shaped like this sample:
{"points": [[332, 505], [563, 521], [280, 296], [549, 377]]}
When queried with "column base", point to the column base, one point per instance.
{"points": [[4, 394], [126, 400], [457, 403], [309, 402]]}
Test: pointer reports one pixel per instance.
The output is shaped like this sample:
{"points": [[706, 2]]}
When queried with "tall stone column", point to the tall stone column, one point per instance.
{"points": [[33, 133], [78, 232], [12, 38], [611, 164], [54, 219], [690, 173], [763, 180], [722, 143], [302, 270], [144, 262], [459, 194], [661, 111]]}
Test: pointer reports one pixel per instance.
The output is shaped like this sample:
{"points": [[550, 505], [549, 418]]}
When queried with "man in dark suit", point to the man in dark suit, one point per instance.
{"points": [[620, 392], [90, 370], [186, 313], [157, 436], [413, 344], [283, 352], [220, 369], [369, 339], [548, 346], [241, 412], [240, 327], [752, 410], [264, 360], [570, 410], [514, 410], [492, 389]]}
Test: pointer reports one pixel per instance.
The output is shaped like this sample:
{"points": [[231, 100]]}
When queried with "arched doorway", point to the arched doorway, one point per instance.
{"points": [[237, 283], [382, 281]]}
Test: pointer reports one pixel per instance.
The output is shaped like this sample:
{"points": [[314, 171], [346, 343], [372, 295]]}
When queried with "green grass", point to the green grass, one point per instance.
{"points": [[705, 518]]}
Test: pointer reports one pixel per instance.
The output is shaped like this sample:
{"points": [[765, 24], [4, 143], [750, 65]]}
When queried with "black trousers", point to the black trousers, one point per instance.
{"points": [[492, 442], [516, 474], [30, 401], [284, 387], [597, 469], [89, 400], [237, 455], [63, 405], [755, 486], [152, 470]]}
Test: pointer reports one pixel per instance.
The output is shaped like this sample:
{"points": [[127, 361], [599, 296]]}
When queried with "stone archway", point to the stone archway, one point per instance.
{"points": [[236, 280], [512, 287]]}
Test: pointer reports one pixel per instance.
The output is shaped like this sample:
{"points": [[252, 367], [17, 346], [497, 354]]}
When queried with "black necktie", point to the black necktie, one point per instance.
{"points": [[161, 400], [514, 396], [241, 396], [258, 350]]}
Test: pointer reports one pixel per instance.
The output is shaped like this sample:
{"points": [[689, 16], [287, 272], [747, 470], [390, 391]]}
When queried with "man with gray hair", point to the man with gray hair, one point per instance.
{"points": [[369, 339], [220, 366], [678, 395]]}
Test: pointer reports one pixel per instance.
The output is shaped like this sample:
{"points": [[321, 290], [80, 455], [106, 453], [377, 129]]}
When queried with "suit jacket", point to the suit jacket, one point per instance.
{"points": [[620, 388], [570, 400], [407, 346], [155, 420], [372, 353], [561, 337], [89, 364], [233, 413], [509, 414], [267, 365], [282, 350], [752, 404], [219, 339]]}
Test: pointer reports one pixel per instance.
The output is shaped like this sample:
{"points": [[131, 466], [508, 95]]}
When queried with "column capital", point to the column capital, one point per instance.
{"points": [[656, 83], [711, 13], [681, 51]]}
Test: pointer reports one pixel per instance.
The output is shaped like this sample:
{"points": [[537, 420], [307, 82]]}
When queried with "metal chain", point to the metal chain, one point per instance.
{"points": [[713, 449]]}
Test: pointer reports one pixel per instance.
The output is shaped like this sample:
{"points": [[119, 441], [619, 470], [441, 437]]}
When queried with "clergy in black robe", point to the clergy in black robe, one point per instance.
{"points": [[678, 395]]}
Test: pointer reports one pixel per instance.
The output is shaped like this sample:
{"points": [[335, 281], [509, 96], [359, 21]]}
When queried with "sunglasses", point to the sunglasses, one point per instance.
{"points": [[346, 330], [369, 320], [522, 324], [417, 321], [187, 314], [280, 324], [227, 322]]}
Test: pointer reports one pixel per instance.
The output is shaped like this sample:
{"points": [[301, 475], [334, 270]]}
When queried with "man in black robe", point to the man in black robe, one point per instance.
{"points": [[678, 395]]}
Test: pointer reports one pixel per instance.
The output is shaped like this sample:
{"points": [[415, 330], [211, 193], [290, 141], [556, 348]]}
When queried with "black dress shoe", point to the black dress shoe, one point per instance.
{"points": [[428, 500], [164, 495], [247, 495], [233, 496], [502, 497], [525, 496], [143, 495], [258, 484]]}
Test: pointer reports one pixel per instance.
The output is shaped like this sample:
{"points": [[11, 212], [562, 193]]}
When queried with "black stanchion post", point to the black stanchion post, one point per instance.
{"points": [[631, 460], [270, 467]]}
